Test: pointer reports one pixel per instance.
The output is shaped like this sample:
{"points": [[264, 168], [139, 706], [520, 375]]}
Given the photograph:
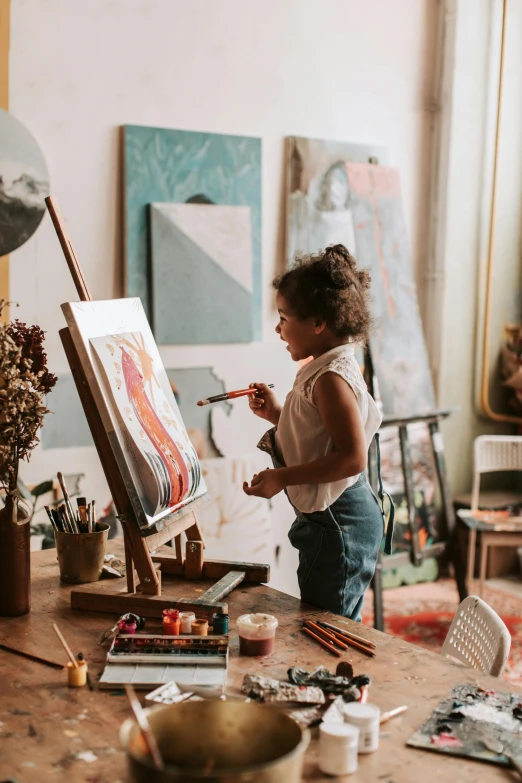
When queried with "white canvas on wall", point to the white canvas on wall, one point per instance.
{"points": [[134, 398]]}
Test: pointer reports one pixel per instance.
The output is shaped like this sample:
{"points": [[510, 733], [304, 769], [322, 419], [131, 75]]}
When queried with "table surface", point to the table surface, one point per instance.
{"points": [[49, 732]]}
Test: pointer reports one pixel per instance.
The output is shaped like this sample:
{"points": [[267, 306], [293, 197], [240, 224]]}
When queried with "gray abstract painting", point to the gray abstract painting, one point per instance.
{"points": [[201, 274], [24, 184]]}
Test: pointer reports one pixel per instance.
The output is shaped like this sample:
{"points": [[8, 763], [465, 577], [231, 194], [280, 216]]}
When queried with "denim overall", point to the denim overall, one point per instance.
{"points": [[338, 547]]}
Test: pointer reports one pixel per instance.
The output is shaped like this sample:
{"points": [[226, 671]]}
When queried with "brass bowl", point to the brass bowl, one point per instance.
{"points": [[220, 741]]}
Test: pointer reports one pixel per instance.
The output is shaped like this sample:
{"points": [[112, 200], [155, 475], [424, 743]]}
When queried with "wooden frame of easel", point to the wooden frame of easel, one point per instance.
{"points": [[448, 544], [140, 544]]}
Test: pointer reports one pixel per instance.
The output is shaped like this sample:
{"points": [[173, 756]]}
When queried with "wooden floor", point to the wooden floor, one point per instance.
{"points": [[50, 733]]}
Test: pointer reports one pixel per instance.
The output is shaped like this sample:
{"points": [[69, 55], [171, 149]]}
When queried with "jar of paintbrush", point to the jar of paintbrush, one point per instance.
{"points": [[80, 539]]}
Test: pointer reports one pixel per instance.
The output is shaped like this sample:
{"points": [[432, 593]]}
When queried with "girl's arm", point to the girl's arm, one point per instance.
{"points": [[340, 415]]}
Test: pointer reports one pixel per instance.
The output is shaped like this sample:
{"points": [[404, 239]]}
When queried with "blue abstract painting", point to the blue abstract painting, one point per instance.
{"points": [[165, 166]]}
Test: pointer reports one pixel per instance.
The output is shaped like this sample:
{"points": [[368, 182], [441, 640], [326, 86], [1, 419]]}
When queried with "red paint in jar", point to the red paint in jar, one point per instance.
{"points": [[256, 646], [256, 634]]}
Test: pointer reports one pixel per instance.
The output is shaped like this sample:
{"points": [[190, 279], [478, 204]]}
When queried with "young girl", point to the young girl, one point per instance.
{"points": [[319, 444]]}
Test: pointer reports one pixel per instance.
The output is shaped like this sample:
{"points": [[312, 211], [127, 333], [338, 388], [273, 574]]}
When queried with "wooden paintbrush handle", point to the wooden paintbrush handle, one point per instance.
{"points": [[327, 645], [65, 646]]}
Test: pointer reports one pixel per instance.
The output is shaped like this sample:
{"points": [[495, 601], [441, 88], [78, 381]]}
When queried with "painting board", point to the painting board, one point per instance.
{"points": [[201, 257], [24, 183], [140, 415], [469, 715], [397, 345], [187, 167], [318, 205]]}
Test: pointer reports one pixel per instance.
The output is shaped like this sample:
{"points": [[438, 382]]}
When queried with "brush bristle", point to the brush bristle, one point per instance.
{"points": [[202, 402]]}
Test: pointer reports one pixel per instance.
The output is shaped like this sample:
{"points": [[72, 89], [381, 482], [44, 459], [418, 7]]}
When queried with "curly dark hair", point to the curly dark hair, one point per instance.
{"points": [[328, 286]]}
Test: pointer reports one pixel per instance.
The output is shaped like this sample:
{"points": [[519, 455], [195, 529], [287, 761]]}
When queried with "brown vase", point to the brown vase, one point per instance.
{"points": [[15, 558]]}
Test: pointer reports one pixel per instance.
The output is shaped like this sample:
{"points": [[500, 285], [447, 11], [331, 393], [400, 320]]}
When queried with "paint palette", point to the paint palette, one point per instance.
{"points": [[152, 649], [470, 722]]}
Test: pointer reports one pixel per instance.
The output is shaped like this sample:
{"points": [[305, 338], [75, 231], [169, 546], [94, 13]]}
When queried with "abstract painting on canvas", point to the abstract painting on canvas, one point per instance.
{"points": [[202, 281], [133, 395], [204, 229], [337, 193]]}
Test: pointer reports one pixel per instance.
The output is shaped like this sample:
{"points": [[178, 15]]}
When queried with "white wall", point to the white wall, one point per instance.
{"points": [[468, 196], [353, 70]]}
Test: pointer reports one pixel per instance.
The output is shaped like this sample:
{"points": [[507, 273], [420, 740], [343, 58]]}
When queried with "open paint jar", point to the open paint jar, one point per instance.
{"points": [[256, 634]]}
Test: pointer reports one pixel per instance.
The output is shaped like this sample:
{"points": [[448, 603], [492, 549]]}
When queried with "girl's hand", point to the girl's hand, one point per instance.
{"points": [[265, 484], [264, 403]]}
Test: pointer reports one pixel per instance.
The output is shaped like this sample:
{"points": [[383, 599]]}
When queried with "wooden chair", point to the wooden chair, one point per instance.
{"points": [[491, 453], [478, 638]]}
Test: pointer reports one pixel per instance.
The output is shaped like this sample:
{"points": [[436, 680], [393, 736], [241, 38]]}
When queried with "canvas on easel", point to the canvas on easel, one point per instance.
{"points": [[151, 467], [129, 384]]}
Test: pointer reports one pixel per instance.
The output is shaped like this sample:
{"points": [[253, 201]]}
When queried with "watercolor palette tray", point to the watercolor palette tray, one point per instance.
{"points": [[197, 679], [469, 720], [155, 649]]}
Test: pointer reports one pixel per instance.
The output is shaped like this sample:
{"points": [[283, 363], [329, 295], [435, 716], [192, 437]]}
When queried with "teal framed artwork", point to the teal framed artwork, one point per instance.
{"points": [[192, 228]]}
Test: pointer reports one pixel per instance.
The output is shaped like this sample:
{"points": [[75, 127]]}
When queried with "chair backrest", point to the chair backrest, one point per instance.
{"points": [[478, 637], [492, 453]]}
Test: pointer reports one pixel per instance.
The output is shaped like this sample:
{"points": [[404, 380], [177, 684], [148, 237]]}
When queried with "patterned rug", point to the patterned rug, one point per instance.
{"points": [[422, 614]]}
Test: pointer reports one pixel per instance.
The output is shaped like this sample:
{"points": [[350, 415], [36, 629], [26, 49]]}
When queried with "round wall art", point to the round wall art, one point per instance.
{"points": [[24, 184]]}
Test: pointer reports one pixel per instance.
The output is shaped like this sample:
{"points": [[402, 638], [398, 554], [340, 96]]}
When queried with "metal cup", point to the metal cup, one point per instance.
{"points": [[80, 555], [218, 741]]}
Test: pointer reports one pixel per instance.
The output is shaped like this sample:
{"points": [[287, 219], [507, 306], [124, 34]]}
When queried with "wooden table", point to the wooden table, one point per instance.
{"points": [[50, 733]]}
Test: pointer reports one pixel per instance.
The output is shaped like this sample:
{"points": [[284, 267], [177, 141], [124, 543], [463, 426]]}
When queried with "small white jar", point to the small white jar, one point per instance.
{"points": [[338, 743], [367, 719], [185, 622]]}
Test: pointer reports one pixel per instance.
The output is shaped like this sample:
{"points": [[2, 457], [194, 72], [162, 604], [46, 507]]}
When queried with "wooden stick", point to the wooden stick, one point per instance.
{"points": [[321, 641], [143, 723], [325, 634], [68, 506], [68, 249], [345, 632], [65, 646], [349, 640], [31, 657], [368, 650], [386, 716]]}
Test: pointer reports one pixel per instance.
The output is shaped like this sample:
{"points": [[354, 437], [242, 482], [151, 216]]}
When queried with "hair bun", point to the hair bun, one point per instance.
{"points": [[341, 253]]}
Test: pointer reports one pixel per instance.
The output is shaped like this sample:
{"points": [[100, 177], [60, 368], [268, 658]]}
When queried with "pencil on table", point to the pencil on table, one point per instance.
{"points": [[345, 632], [31, 657], [328, 645], [326, 635], [361, 647]]}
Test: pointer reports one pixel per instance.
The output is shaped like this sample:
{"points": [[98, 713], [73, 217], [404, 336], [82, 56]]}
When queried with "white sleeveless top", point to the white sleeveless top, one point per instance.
{"points": [[301, 436]]}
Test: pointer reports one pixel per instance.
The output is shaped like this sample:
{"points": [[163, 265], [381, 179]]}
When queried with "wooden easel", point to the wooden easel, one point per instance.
{"points": [[140, 544]]}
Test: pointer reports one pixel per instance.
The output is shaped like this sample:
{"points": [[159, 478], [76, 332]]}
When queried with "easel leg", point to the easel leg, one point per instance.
{"points": [[378, 607], [407, 472], [150, 580], [129, 567]]}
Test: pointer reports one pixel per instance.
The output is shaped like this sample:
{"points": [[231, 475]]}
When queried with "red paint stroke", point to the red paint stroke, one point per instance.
{"points": [[166, 447], [445, 740], [374, 183]]}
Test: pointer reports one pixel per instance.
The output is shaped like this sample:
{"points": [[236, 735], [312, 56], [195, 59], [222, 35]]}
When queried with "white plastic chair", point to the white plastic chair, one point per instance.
{"points": [[478, 638], [494, 453], [491, 453]]}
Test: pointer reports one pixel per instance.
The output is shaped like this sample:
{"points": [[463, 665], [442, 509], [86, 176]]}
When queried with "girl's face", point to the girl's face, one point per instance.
{"points": [[301, 336]]}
